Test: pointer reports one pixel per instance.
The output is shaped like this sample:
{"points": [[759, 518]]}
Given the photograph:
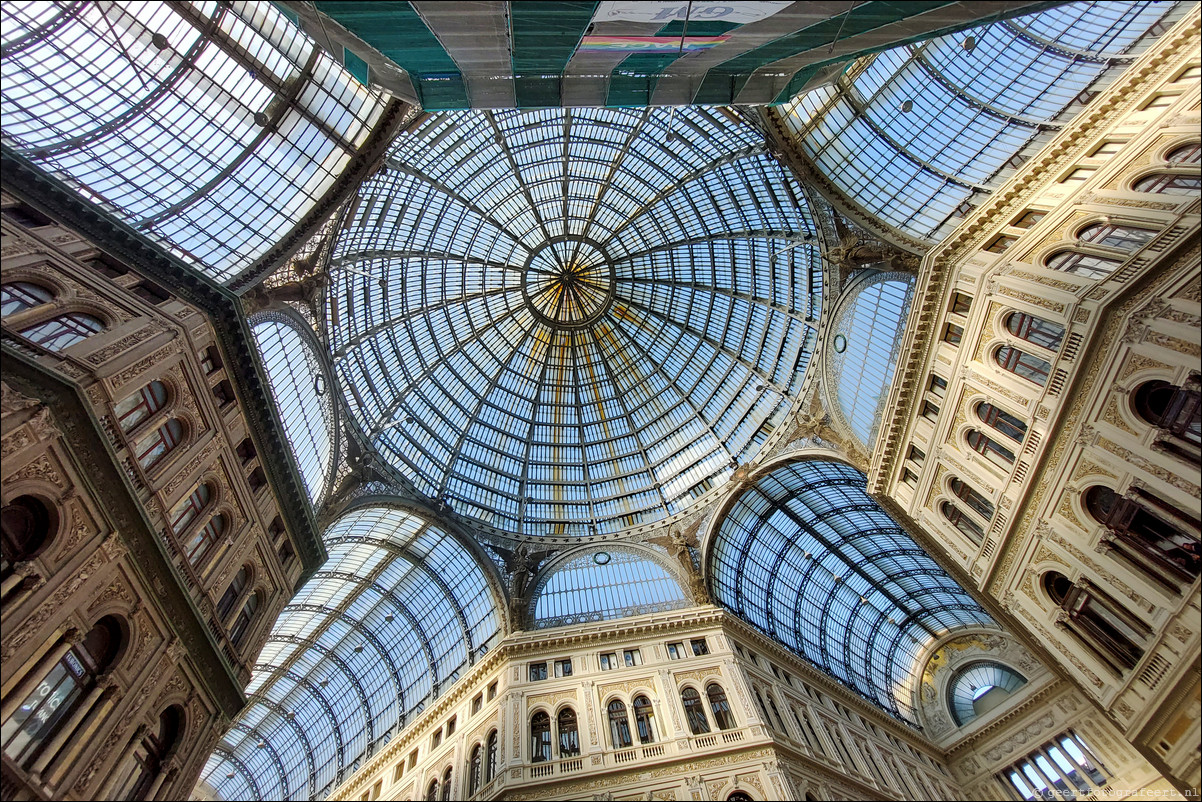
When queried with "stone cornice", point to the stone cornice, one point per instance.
{"points": [[106, 482], [936, 272], [32, 185]]}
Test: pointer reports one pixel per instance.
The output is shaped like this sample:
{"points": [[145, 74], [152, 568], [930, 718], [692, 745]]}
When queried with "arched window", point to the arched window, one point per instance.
{"points": [[1031, 368], [694, 711], [233, 593], [1154, 539], [739, 796], [569, 738], [1175, 409], [975, 500], [1035, 330], [1186, 154], [143, 766], [203, 539], [980, 687], [432, 791], [619, 725], [475, 769], [490, 758], [719, 706], [1169, 184], [962, 521], [62, 331], [1110, 235], [152, 448], [190, 508], [993, 451], [1002, 421], [27, 526], [644, 719], [53, 701], [17, 296], [1105, 626], [141, 405], [243, 621], [540, 738], [446, 785], [1086, 265]]}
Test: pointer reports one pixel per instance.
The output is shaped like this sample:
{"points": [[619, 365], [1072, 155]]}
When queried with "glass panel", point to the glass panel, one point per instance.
{"points": [[626, 584]]}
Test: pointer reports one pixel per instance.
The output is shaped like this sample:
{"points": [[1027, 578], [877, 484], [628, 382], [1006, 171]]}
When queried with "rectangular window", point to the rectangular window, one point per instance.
{"points": [[916, 454], [632, 657], [1106, 150], [1160, 102], [909, 477], [930, 411], [937, 385], [1189, 74], [492, 691], [1028, 218], [1078, 175], [538, 671], [609, 661], [563, 668], [961, 303], [1000, 243], [436, 738], [398, 772], [477, 703], [413, 759], [700, 647], [451, 726], [751, 656], [675, 651], [953, 333]]}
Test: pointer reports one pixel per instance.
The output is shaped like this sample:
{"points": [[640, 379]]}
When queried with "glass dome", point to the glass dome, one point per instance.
{"points": [[568, 322]]}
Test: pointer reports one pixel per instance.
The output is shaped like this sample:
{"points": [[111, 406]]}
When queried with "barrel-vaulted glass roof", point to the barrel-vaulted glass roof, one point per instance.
{"points": [[298, 387], [390, 621], [915, 133], [211, 127], [600, 585], [574, 320], [807, 557]]}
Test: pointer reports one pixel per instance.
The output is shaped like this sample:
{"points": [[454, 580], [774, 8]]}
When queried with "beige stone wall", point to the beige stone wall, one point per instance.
{"points": [[845, 749], [88, 568], [1137, 319]]}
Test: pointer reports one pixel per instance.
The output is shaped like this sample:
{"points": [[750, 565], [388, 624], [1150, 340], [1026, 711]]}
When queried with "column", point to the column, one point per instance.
{"points": [[69, 725], [86, 732]]}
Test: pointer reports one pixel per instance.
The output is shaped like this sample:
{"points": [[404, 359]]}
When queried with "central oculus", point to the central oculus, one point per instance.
{"points": [[568, 282]]}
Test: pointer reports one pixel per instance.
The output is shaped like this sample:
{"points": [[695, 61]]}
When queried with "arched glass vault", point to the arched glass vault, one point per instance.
{"points": [[210, 127], [391, 620], [600, 585], [922, 128], [810, 560], [574, 321]]}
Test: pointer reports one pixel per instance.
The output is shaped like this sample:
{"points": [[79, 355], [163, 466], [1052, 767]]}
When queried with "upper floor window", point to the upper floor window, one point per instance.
{"points": [[540, 738], [152, 448], [1114, 634], [1186, 154], [694, 711], [28, 527], [644, 719], [538, 671], [187, 510], [719, 706], [245, 617], [136, 408], [608, 661], [203, 539], [632, 657], [976, 501], [1086, 265], [18, 296], [1020, 363], [1003, 421], [563, 668], [63, 331], [1112, 235], [953, 333], [1035, 330], [490, 757], [233, 593], [699, 647], [1169, 184], [569, 736], [475, 769], [619, 725], [993, 451], [1175, 409], [1029, 218], [963, 522], [210, 360]]}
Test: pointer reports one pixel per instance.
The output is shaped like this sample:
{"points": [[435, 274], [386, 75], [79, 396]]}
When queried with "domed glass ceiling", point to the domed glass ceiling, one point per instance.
{"points": [[574, 321]]}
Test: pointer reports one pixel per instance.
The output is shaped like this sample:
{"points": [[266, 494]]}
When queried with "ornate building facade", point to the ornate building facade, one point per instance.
{"points": [[629, 454]]}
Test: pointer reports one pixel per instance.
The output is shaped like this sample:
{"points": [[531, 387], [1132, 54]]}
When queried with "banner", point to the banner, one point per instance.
{"points": [[648, 44], [739, 12]]}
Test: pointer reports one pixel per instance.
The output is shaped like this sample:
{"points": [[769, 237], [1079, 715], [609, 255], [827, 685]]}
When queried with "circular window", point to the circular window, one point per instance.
{"points": [[601, 557], [840, 343]]}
